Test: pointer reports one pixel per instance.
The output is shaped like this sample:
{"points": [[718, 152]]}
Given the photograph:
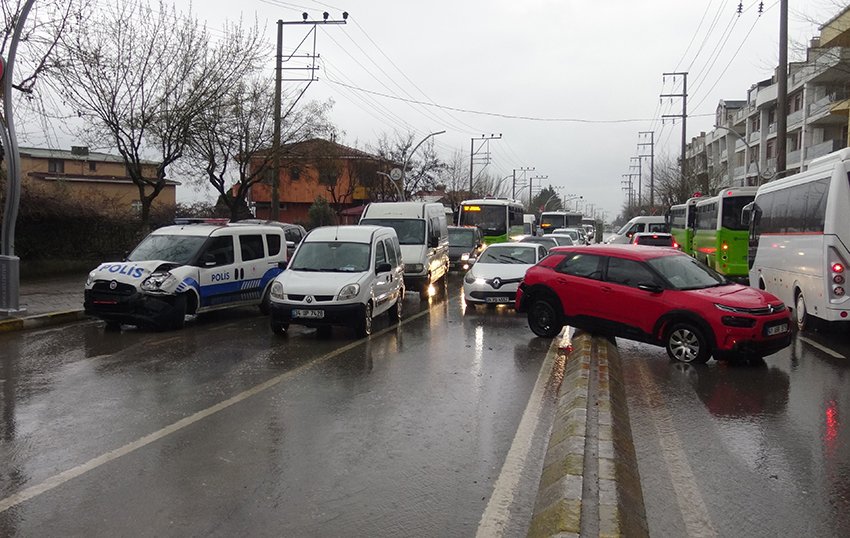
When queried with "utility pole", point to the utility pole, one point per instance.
{"points": [[639, 176], [651, 156], [524, 169], [683, 115], [530, 191], [278, 82], [782, 89], [628, 188], [485, 141]]}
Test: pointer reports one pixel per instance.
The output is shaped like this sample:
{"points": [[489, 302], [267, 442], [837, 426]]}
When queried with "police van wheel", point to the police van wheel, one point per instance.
{"points": [[178, 319], [112, 327]]}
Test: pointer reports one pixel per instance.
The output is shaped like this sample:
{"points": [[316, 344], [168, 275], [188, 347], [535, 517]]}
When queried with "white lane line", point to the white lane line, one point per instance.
{"points": [[690, 501], [821, 347], [59, 479], [497, 513]]}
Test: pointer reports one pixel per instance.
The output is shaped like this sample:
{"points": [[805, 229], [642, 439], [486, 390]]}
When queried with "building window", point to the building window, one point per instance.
{"points": [[56, 166], [92, 166], [295, 173]]}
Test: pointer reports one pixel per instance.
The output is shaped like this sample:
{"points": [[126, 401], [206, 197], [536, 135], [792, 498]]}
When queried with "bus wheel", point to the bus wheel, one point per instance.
{"points": [[801, 315]]}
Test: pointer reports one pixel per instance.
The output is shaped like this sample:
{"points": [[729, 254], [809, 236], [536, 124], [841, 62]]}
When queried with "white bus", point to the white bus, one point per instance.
{"points": [[799, 238]]}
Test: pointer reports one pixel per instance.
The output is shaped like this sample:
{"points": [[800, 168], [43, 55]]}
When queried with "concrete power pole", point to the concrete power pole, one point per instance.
{"points": [[782, 89], [274, 212], [683, 116], [651, 156]]}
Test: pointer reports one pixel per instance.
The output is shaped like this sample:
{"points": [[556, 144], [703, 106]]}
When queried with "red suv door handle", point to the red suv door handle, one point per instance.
{"points": [[562, 281], [606, 289]]}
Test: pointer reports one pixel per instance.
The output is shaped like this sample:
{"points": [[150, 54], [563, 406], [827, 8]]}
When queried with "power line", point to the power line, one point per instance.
{"points": [[497, 114], [696, 32]]}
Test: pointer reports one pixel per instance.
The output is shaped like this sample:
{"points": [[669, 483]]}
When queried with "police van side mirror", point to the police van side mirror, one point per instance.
{"points": [[433, 241], [383, 268], [208, 260]]}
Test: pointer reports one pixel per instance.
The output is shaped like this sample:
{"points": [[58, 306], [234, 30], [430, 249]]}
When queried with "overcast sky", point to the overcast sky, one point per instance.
{"points": [[595, 60]]}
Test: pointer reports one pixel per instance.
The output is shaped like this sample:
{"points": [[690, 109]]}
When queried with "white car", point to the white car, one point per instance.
{"points": [[187, 269], [340, 275], [496, 275], [578, 235]]}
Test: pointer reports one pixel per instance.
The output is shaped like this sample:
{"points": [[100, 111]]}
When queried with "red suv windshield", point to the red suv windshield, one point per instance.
{"points": [[685, 273]]}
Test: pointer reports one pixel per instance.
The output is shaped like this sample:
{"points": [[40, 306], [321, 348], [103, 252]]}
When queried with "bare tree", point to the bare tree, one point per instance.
{"points": [[141, 76], [230, 141], [454, 176], [422, 168]]}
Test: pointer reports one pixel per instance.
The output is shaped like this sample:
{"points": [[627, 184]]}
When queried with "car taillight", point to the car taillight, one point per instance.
{"points": [[675, 244]]}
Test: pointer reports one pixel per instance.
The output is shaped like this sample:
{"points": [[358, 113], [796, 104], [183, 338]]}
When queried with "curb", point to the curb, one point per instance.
{"points": [[40, 320], [590, 484]]}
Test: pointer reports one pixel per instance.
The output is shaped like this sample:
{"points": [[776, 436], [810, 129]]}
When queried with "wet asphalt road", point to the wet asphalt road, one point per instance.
{"points": [[224, 429], [744, 450]]}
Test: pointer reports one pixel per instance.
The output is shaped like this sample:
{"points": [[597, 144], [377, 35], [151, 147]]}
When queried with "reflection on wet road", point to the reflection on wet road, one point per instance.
{"points": [[225, 429], [756, 449]]}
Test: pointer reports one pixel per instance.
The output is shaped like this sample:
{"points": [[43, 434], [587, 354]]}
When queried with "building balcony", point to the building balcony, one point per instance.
{"points": [[794, 118], [824, 148], [738, 172]]}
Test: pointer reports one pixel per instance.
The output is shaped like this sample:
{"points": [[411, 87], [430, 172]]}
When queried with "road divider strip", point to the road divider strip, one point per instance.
{"points": [[40, 320], [590, 483], [59, 479]]}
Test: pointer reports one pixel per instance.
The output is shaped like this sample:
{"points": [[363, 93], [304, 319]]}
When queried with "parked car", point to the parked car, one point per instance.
{"points": [[575, 234], [546, 240], [293, 233], [186, 269], [465, 244], [562, 239], [499, 270], [654, 239], [656, 295], [340, 275]]}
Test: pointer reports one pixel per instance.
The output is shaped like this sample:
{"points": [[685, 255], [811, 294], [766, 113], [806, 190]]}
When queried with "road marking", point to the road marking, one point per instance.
{"points": [[497, 513], [59, 479], [821, 347], [690, 501]]}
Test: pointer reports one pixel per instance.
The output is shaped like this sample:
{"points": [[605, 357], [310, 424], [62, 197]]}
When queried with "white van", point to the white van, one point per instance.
{"points": [[340, 275], [638, 224], [187, 269], [423, 236]]}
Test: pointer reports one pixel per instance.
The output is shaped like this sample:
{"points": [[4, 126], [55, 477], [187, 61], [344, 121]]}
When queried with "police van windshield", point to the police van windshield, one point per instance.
{"points": [[182, 249], [409, 231], [331, 256]]}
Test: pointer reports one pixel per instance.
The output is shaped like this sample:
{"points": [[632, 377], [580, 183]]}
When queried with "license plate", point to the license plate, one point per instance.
{"points": [[777, 329], [498, 299], [308, 314]]}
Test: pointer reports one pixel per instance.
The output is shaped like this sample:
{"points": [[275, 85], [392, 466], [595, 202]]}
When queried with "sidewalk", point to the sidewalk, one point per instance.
{"points": [[47, 301]]}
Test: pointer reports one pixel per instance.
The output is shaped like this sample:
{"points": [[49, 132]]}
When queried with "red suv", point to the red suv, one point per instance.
{"points": [[652, 294]]}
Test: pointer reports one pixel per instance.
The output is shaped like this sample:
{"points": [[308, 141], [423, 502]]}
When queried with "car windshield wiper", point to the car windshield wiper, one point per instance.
{"points": [[309, 269], [513, 259]]}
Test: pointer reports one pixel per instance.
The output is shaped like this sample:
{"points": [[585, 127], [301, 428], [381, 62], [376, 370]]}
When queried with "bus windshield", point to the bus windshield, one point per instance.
{"points": [[732, 212], [491, 219]]}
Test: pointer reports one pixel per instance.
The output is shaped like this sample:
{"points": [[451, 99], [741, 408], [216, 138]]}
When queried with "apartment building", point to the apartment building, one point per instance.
{"points": [[98, 178], [741, 150]]}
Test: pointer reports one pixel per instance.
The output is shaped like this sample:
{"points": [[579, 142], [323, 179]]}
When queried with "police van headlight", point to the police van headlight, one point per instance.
{"points": [[158, 281], [90, 279], [277, 290], [348, 292]]}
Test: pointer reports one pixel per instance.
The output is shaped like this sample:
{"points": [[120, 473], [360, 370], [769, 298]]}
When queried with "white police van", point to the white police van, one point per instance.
{"points": [[187, 269]]}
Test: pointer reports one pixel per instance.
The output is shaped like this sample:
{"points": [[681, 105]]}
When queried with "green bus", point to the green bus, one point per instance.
{"points": [[721, 236], [500, 219], [680, 222]]}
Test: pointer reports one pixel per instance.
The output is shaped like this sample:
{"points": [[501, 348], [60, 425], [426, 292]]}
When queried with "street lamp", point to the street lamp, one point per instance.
{"points": [[744, 140], [407, 158], [394, 184]]}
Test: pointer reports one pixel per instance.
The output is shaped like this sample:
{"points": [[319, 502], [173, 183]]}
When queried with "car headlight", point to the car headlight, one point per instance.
{"points": [[464, 256], [348, 292], [413, 268], [157, 281], [277, 290], [90, 279]]}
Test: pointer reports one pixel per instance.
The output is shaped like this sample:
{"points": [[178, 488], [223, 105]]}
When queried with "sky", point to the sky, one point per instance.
{"points": [[568, 84]]}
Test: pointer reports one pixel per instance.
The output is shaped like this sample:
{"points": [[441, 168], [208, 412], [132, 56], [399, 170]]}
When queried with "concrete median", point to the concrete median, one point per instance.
{"points": [[590, 485]]}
